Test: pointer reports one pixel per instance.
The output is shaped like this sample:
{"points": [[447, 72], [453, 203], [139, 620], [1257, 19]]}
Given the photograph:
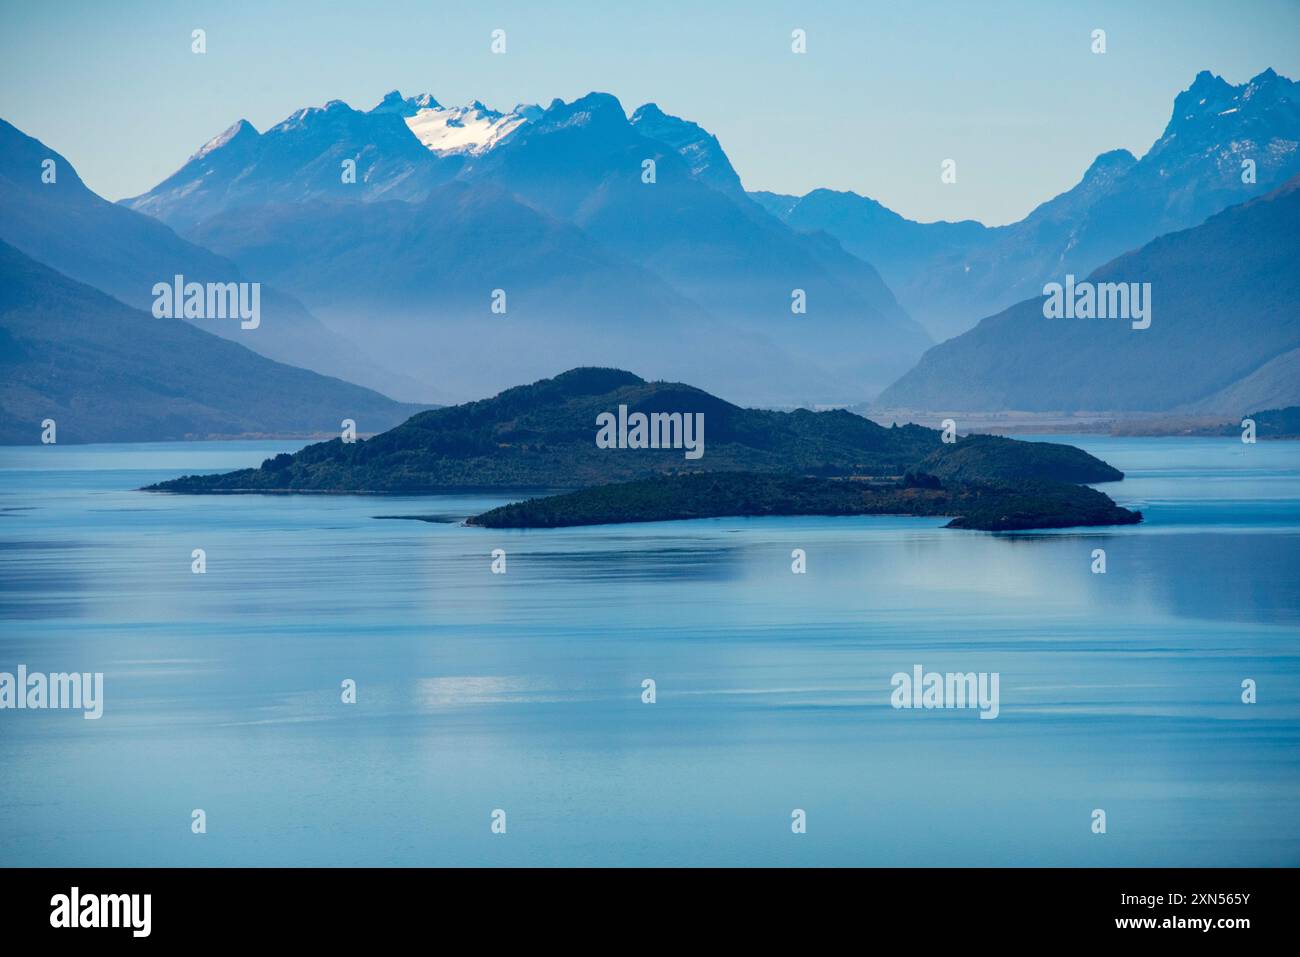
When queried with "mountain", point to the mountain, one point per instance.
{"points": [[583, 162], [700, 149], [947, 275], [414, 281], [544, 435], [403, 148], [1225, 327], [108, 373], [69, 228], [301, 159], [684, 274], [405, 106]]}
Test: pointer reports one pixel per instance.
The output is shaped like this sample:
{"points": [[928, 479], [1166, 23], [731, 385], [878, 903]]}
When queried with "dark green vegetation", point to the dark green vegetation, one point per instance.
{"points": [[108, 373], [987, 457], [989, 506], [543, 436], [1272, 424]]}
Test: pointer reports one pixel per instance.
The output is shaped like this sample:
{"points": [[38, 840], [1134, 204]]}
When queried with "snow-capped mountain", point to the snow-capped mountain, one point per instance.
{"points": [[691, 226], [691, 238]]}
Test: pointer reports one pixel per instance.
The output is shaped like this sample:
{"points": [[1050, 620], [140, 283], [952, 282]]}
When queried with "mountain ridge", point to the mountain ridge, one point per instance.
{"points": [[108, 373]]}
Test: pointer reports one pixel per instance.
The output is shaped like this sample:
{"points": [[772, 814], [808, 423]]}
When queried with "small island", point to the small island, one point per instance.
{"points": [[986, 506]]}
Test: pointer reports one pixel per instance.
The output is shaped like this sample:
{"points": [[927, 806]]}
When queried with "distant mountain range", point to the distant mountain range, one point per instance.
{"points": [[1224, 333], [439, 252], [950, 275], [599, 259], [105, 372]]}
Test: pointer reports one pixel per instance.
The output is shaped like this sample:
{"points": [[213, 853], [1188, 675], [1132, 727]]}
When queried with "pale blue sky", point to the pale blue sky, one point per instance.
{"points": [[885, 93]]}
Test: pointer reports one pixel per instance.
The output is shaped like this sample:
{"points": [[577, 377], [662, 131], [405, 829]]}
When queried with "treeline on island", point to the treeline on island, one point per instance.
{"points": [[988, 506], [752, 462]]}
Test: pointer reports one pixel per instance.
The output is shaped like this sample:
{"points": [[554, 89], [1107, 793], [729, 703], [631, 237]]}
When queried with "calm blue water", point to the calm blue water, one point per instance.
{"points": [[522, 691]]}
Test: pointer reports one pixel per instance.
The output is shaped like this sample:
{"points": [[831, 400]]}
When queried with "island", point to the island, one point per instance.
{"points": [[548, 436], [986, 506]]}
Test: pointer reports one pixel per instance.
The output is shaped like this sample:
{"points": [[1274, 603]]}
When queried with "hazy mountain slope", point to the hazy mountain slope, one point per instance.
{"points": [[415, 282], [583, 162], [108, 373], [1225, 301], [1275, 384], [71, 229]]}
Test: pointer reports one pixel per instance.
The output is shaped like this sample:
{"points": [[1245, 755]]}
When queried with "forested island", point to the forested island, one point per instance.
{"points": [[750, 462], [989, 506]]}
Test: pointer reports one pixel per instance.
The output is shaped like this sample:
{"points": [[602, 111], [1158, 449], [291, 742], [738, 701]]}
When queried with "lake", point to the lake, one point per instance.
{"points": [[522, 691]]}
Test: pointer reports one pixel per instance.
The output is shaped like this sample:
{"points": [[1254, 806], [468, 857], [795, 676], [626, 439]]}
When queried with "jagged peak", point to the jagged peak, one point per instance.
{"points": [[1210, 96], [648, 111], [394, 102], [593, 105]]}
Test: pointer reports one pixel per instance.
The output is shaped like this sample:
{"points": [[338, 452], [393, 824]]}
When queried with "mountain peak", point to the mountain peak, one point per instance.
{"points": [[648, 111], [241, 130], [1211, 96], [594, 380], [696, 145], [1110, 163], [587, 108], [394, 102]]}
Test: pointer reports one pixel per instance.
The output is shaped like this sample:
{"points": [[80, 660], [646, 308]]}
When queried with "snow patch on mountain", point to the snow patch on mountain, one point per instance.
{"points": [[472, 129]]}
